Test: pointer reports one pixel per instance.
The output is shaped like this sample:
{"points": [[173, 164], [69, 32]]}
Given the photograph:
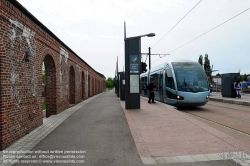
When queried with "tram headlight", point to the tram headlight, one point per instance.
{"points": [[179, 97], [207, 97]]}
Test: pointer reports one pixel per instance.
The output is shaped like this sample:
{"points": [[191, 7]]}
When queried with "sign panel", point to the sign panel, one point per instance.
{"points": [[134, 63], [134, 83]]}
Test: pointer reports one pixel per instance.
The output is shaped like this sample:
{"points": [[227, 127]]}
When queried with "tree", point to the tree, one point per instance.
{"points": [[207, 66], [218, 74], [109, 83], [245, 77], [200, 60]]}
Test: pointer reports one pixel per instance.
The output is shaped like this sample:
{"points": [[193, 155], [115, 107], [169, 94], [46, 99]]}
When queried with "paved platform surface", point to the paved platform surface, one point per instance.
{"points": [[244, 100], [163, 134], [98, 129]]}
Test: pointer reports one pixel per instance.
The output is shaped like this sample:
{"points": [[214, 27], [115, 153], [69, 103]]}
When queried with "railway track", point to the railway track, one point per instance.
{"points": [[242, 132], [233, 117]]}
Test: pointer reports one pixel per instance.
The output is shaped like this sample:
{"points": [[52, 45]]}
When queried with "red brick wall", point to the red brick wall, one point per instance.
{"points": [[2, 106], [21, 81]]}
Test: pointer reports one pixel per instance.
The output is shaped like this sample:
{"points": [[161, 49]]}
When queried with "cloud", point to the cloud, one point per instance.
{"points": [[94, 29]]}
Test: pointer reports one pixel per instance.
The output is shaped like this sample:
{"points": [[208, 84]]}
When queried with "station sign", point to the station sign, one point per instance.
{"points": [[134, 63]]}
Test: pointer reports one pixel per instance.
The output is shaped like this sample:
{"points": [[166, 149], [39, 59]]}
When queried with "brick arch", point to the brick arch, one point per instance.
{"points": [[83, 85], [72, 87], [50, 87], [48, 51]]}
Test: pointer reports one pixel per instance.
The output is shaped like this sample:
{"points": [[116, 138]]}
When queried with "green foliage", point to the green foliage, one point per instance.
{"points": [[200, 60], [110, 83], [207, 67], [43, 74], [43, 105], [245, 77], [242, 77], [218, 74]]}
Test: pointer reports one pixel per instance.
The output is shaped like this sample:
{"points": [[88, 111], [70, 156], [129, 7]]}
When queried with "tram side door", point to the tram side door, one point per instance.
{"points": [[170, 88], [161, 86]]}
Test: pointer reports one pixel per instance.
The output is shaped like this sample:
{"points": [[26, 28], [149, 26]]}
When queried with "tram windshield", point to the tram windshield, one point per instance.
{"points": [[190, 77]]}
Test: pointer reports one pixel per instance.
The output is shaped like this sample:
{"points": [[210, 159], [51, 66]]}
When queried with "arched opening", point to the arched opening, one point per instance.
{"points": [[83, 86], [88, 85], [50, 86], [71, 85]]}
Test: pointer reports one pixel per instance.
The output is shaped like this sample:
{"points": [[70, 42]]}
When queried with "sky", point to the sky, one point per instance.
{"points": [[94, 29]]}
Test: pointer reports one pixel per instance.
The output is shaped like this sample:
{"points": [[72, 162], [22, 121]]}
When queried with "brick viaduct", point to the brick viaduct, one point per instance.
{"points": [[26, 44]]}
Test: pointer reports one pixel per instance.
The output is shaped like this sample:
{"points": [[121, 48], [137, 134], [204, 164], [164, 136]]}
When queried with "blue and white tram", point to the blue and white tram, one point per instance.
{"points": [[179, 83]]}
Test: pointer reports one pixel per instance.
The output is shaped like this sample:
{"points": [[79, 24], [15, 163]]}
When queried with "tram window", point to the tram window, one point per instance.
{"points": [[190, 77], [169, 79], [155, 77], [145, 81], [160, 80], [141, 84]]}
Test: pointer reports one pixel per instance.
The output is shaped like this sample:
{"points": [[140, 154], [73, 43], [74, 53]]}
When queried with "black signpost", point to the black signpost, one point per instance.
{"points": [[132, 73], [132, 70]]}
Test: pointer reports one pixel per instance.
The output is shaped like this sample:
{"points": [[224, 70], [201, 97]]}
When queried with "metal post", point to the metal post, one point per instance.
{"points": [[149, 55], [132, 72]]}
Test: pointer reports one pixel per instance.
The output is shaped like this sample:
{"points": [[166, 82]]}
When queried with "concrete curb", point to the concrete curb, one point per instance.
{"points": [[244, 160]]}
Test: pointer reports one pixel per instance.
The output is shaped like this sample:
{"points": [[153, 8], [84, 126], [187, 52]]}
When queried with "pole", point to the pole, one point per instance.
{"points": [[149, 54], [124, 30]]}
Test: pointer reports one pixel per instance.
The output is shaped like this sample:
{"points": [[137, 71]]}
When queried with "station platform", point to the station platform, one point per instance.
{"points": [[163, 134], [244, 100], [110, 135]]}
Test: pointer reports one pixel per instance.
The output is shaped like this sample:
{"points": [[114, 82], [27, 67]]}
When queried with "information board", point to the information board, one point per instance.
{"points": [[134, 83]]}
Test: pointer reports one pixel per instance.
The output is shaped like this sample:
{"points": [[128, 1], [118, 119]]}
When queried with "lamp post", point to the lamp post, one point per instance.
{"points": [[148, 35], [132, 70]]}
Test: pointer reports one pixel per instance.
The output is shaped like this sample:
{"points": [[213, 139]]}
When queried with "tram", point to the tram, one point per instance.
{"points": [[179, 83]]}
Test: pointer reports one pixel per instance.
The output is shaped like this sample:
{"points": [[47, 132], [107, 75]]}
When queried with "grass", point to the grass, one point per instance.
{"points": [[43, 105]]}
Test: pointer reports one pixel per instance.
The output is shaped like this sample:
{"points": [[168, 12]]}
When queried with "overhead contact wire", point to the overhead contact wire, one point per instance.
{"points": [[209, 30], [177, 23]]}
